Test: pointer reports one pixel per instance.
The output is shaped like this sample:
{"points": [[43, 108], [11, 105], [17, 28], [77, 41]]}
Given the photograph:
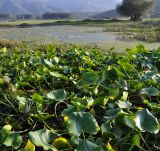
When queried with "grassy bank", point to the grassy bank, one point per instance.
{"points": [[89, 22], [117, 47], [142, 31]]}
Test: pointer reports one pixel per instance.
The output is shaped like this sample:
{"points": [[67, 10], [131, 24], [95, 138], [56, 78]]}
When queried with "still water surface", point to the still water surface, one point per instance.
{"points": [[65, 34]]}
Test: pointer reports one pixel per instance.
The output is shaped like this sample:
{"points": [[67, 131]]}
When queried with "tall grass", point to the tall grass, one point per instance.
{"points": [[148, 30]]}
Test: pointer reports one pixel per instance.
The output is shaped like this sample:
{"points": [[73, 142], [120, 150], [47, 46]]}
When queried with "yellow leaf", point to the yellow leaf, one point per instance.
{"points": [[1, 81], [29, 146], [61, 143], [4, 50], [66, 119], [109, 147], [7, 127]]}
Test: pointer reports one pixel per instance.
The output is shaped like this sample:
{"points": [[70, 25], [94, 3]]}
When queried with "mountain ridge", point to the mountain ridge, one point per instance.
{"points": [[25, 7], [41, 6]]}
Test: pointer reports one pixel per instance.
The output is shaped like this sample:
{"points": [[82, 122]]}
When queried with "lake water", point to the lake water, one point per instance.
{"points": [[65, 34]]}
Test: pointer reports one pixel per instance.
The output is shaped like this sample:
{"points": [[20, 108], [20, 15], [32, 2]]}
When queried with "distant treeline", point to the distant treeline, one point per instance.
{"points": [[15, 17], [47, 15]]}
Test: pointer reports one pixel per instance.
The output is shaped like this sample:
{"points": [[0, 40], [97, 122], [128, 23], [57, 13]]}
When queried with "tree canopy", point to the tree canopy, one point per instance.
{"points": [[135, 8]]}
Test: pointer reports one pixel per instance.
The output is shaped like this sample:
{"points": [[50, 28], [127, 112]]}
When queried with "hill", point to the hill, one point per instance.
{"points": [[25, 7], [107, 14], [41, 6], [79, 7]]}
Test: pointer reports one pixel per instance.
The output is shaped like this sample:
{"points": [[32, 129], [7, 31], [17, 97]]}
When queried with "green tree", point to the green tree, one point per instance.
{"points": [[135, 8]]}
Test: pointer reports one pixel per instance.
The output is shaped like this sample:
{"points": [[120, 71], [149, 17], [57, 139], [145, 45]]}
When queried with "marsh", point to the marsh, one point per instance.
{"points": [[67, 34]]}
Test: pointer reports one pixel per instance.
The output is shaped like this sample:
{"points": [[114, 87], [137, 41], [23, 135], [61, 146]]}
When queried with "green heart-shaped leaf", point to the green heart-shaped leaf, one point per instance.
{"points": [[43, 138], [151, 91], [14, 140], [145, 121], [82, 122], [86, 145], [58, 95]]}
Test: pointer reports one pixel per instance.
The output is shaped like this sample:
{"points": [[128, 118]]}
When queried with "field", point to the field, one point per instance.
{"points": [[80, 85], [21, 22]]}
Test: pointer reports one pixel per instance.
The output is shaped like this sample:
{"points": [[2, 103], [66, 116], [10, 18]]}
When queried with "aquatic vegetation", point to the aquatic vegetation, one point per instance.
{"points": [[81, 100]]}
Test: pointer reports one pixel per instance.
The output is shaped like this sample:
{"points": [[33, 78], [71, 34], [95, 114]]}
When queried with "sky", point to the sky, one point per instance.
{"points": [[99, 5]]}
